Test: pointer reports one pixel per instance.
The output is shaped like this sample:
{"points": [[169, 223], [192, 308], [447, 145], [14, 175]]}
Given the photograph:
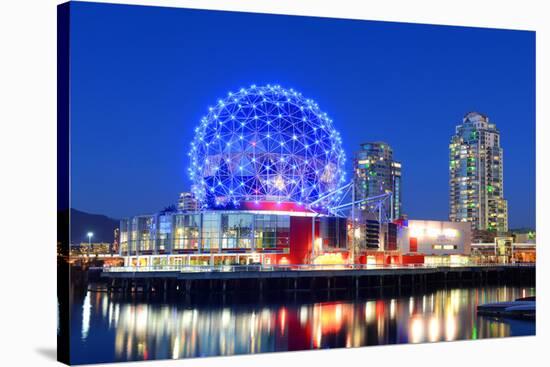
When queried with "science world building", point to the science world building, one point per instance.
{"points": [[266, 165]]}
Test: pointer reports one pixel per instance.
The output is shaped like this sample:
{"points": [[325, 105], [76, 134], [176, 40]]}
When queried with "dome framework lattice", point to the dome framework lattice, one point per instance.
{"points": [[265, 143]]}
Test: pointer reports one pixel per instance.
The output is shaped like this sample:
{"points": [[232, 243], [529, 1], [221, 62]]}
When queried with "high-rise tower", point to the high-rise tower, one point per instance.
{"points": [[375, 173], [187, 202], [476, 190]]}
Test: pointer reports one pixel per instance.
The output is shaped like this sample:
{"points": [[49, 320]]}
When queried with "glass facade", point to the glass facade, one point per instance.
{"points": [[186, 233], [211, 230], [237, 231], [124, 231], [133, 241], [146, 234], [214, 231], [271, 231], [164, 234], [138, 235], [332, 231]]}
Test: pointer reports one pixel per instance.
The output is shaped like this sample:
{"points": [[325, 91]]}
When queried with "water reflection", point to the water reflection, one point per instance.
{"points": [[86, 316], [141, 330]]}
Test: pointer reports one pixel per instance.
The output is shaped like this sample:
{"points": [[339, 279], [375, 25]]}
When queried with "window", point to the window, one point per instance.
{"points": [[236, 230], [444, 247], [186, 231], [211, 230], [265, 231], [271, 231]]}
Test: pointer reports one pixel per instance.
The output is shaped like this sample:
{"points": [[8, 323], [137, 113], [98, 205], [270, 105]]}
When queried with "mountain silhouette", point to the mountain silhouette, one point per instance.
{"points": [[102, 227]]}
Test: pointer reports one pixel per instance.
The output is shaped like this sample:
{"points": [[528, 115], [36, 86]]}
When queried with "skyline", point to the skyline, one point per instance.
{"points": [[168, 103]]}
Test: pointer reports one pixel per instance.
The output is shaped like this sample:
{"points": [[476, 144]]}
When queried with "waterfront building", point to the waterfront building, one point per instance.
{"points": [[436, 241], [376, 173], [504, 250], [219, 237], [476, 187], [187, 202], [265, 164]]}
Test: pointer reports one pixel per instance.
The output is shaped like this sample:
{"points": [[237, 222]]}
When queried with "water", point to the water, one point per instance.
{"points": [[108, 327]]}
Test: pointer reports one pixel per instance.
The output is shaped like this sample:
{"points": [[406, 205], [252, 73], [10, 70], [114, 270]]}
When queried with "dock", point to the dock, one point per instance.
{"points": [[308, 278]]}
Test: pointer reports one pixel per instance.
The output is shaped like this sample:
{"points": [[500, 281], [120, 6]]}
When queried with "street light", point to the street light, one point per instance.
{"points": [[90, 235]]}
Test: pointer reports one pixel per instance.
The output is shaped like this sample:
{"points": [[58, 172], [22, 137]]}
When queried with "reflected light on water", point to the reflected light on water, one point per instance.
{"points": [[226, 317], [450, 327], [303, 316], [176, 348], [328, 317], [282, 319], [86, 310], [392, 308], [433, 329], [141, 330], [417, 329], [424, 304], [104, 306], [318, 336], [370, 311]]}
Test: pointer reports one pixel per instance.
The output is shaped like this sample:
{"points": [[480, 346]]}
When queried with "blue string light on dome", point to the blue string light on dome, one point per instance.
{"points": [[265, 144]]}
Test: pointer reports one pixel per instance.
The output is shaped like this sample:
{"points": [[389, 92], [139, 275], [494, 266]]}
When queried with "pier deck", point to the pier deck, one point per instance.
{"points": [[260, 279]]}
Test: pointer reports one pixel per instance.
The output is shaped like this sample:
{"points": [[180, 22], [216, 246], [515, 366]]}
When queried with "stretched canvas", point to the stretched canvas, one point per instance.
{"points": [[235, 183]]}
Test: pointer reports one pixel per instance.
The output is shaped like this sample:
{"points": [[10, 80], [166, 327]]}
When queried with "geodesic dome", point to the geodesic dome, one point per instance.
{"points": [[265, 144]]}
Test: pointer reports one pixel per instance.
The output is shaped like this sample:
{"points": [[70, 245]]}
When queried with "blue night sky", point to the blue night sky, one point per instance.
{"points": [[142, 77]]}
